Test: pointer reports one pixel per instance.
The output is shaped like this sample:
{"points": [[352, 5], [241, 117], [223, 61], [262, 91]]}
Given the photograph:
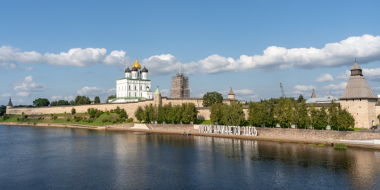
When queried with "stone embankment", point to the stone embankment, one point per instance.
{"points": [[270, 134]]}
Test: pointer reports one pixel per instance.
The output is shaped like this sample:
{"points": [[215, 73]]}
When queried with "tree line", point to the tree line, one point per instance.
{"points": [[185, 113], [79, 100]]}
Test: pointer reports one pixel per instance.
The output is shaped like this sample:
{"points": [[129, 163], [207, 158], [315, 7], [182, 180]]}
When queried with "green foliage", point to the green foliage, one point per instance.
{"points": [[300, 99], [255, 113], [321, 145], [345, 119], [77, 119], [80, 100], [5, 117], [62, 103], [130, 120], [117, 110], [139, 114], [55, 117], [111, 97], [216, 114], [53, 103], [277, 100], [96, 100], [73, 111], [211, 98], [104, 120], [340, 146], [41, 102], [233, 114], [123, 114], [190, 113], [3, 109]]}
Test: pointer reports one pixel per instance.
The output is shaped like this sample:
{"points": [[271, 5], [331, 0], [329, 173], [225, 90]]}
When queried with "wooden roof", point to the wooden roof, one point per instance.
{"points": [[358, 88]]}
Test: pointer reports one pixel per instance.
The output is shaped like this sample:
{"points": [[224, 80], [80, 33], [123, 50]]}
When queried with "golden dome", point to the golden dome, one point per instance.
{"points": [[136, 65]]}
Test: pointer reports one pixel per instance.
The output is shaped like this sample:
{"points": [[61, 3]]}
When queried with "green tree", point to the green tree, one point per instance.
{"points": [[145, 116], [280, 112], [288, 117], [216, 114], [313, 115], [255, 114], [123, 114], [53, 103], [139, 114], [300, 98], [41, 102], [190, 113], [111, 97], [87, 100], [345, 119], [333, 114], [211, 98], [62, 103], [268, 113], [96, 100], [321, 118], [73, 111], [117, 110], [303, 115], [233, 114]]}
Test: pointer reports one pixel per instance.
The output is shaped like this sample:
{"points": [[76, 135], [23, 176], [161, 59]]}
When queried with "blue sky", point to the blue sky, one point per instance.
{"points": [[61, 49]]}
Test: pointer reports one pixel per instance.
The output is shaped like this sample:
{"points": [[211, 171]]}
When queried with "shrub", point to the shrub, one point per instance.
{"points": [[67, 119], [39, 118], [130, 120], [18, 119], [117, 110], [123, 114], [108, 113], [340, 146], [5, 117], [73, 111], [321, 145], [65, 112], [111, 111], [77, 119], [104, 120], [113, 121], [91, 120], [22, 113], [311, 144], [55, 117]]}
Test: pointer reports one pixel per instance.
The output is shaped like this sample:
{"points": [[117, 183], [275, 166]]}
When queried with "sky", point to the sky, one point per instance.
{"points": [[61, 49]]}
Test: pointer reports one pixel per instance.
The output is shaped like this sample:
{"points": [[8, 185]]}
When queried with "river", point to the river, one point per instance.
{"points": [[66, 158]]}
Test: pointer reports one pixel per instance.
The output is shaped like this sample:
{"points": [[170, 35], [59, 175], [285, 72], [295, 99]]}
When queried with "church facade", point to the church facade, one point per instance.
{"points": [[135, 86]]}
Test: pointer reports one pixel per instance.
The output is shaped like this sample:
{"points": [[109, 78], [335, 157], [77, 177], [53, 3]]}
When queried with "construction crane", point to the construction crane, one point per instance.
{"points": [[282, 90]]}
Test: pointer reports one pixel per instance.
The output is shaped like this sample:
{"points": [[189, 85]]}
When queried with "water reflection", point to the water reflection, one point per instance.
{"points": [[41, 158]]}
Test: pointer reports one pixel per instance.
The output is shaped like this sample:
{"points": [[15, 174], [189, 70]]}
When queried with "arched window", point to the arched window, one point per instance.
{"points": [[135, 88]]}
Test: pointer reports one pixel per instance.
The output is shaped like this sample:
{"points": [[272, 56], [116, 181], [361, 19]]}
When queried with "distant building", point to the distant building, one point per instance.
{"points": [[134, 87], [326, 99], [180, 86]]}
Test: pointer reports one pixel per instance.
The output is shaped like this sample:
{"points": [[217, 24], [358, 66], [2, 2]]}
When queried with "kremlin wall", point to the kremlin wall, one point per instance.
{"points": [[357, 98]]}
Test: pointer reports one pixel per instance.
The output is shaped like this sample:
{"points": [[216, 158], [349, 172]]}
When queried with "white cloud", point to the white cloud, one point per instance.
{"points": [[13, 66], [340, 86], [324, 78], [23, 94], [28, 86], [366, 48], [344, 76], [95, 91], [376, 88], [372, 74], [56, 98], [7, 95], [165, 92], [304, 88], [69, 98], [243, 92]]}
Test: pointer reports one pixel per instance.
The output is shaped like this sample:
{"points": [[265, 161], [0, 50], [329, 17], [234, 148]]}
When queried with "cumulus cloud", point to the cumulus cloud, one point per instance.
{"points": [[28, 85], [324, 78], [372, 74], [13, 66], [69, 98], [56, 98], [23, 94], [7, 95], [340, 86], [95, 91], [366, 47], [344, 76], [304, 87], [165, 92]]}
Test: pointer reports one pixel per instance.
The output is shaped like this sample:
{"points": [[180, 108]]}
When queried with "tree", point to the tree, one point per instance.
{"points": [[255, 114], [139, 114], [216, 114], [41, 102], [96, 100], [62, 103], [345, 119], [117, 110], [233, 114], [333, 114], [268, 113], [73, 111], [313, 115], [211, 98], [53, 103], [303, 115], [111, 97], [300, 98], [123, 114], [145, 116], [190, 113], [321, 118]]}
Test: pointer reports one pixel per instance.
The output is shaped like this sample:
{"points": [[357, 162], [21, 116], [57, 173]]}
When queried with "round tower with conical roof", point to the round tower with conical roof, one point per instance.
{"points": [[231, 95], [157, 97], [9, 106], [359, 99]]}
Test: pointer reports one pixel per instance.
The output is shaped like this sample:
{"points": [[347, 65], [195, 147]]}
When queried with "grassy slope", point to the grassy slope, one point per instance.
{"points": [[97, 122]]}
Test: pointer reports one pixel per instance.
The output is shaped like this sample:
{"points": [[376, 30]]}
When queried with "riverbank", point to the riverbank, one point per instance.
{"points": [[300, 136]]}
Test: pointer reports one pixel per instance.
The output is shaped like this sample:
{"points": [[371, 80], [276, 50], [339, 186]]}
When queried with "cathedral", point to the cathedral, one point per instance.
{"points": [[134, 87]]}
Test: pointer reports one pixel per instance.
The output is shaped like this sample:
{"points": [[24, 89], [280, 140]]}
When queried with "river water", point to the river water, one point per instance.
{"points": [[64, 158]]}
